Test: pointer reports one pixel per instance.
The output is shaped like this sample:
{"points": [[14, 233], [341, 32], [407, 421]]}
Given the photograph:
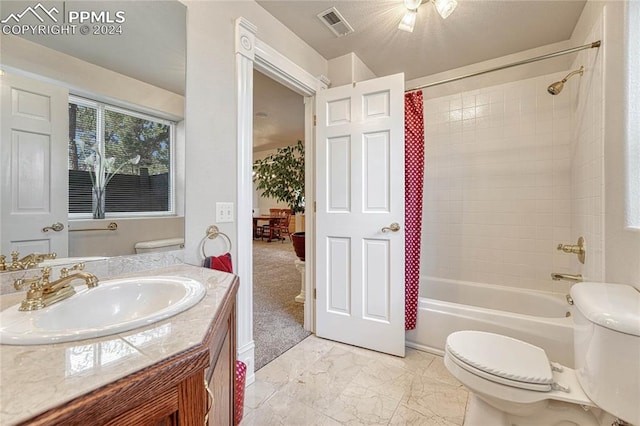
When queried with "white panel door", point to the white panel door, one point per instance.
{"points": [[360, 191], [33, 159]]}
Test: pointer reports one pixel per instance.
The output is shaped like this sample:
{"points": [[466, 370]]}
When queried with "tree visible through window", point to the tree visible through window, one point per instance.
{"points": [[99, 132]]}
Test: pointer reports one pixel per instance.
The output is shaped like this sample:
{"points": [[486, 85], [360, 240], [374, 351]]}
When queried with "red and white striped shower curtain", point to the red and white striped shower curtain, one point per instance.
{"points": [[413, 181]]}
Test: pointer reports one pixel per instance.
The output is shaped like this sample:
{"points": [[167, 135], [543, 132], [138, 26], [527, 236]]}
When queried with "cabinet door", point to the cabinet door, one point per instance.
{"points": [[221, 385]]}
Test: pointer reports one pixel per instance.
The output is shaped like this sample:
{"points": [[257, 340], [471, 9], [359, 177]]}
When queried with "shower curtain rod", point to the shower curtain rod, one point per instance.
{"points": [[514, 64]]}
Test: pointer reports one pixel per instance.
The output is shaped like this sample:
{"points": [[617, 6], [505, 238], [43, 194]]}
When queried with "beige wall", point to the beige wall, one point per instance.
{"points": [[211, 124], [347, 69], [122, 241], [83, 78]]}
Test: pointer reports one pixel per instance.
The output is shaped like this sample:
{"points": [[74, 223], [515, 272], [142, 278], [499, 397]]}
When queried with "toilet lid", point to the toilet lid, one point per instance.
{"points": [[501, 359]]}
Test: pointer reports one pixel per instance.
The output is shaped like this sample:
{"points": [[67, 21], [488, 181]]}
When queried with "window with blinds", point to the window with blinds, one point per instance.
{"points": [[126, 152]]}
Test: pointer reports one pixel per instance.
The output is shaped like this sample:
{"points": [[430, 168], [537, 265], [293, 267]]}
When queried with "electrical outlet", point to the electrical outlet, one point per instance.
{"points": [[224, 212]]}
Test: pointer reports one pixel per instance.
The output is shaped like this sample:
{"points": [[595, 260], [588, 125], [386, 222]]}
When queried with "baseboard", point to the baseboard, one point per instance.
{"points": [[246, 354], [423, 348]]}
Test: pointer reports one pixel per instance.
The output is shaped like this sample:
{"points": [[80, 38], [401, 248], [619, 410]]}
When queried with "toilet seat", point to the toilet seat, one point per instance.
{"points": [[501, 359]]}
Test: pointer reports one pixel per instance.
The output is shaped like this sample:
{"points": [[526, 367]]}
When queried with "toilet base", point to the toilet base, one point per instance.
{"points": [[479, 413], [556, 413]]}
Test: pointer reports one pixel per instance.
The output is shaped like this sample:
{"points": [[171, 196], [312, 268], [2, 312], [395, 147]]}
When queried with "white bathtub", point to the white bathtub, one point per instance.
{"points": [[446, 306]]}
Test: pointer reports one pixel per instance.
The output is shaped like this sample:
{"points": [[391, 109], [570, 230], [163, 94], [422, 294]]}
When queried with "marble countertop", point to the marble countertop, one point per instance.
{"points": [[34, 379]]}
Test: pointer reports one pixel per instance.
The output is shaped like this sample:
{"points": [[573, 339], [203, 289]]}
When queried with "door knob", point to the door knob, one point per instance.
{"points": [[55, 227], [394, 227]]}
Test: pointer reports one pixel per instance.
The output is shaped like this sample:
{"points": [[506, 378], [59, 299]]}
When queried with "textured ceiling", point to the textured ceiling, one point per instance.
{"points": [[278, 118], [476, 31]]}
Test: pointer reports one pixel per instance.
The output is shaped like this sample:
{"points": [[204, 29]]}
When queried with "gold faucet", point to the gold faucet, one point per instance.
{"points": [[38, 257], [29, 261], [567, 277], [43, 292]]}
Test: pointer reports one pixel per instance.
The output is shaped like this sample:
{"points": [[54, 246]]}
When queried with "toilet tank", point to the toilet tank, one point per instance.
{"points": [[607, 346], [166, 244]]}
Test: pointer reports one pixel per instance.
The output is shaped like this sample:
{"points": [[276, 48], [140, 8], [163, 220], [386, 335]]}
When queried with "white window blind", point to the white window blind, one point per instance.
{"points": [[117, 136]]}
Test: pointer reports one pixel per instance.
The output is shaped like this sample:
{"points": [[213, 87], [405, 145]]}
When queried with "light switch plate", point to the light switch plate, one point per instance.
{"points": [[224, 212]]}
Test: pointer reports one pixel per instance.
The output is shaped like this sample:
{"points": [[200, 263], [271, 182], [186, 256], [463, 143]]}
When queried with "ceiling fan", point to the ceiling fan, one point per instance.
{"points": [[408, 22]]}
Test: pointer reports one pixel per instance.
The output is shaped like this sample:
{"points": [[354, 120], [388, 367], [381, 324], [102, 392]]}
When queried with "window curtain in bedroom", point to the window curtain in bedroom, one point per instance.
{"points": [[414, 178]]}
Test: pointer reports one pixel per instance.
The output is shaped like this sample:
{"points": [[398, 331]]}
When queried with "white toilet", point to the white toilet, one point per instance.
{"points": [[167, 244], [514, 383]]}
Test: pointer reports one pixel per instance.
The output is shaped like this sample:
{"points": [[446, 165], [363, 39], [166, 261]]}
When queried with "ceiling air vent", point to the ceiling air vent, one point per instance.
{"points": [[336, 23]]}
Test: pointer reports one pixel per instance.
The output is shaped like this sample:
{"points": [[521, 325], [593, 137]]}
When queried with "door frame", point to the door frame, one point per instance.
{"points": [[253, 53]]}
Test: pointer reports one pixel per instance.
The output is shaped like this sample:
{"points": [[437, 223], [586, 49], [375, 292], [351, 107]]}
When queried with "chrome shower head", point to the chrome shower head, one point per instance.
{"points": [[557, 87]]}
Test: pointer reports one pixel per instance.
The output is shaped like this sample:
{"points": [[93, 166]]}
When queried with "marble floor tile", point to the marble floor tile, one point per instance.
{"points": [[384, 379], [360, 406], [295, 414], [320, 382], [434, 397], [437, 370], [258, 393], [408, 417]]}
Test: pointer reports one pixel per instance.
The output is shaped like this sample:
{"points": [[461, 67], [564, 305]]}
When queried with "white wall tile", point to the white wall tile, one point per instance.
{"points": [[500, 182], [587, 161]]}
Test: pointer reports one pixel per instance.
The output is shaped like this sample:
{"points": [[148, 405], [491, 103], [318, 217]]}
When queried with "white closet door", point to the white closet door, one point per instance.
{"points": [[33, 159]]}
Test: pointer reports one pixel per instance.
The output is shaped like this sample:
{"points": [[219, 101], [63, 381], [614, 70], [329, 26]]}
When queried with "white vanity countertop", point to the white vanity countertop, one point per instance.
{"points": [[34, 379]]}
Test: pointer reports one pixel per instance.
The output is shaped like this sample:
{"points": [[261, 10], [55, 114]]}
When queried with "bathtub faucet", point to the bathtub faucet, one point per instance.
{"points": [[567, 277]]}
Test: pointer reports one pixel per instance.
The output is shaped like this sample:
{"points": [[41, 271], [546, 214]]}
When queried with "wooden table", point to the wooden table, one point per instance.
{"points": [[273, 223]]}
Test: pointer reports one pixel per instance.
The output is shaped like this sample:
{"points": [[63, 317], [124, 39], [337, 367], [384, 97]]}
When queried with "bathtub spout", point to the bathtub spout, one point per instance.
{"points": [[567, 277]]}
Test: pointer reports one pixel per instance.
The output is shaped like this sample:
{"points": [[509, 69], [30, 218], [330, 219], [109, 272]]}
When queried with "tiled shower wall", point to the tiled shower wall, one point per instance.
{"points": [[587, 160], [498, 184]]}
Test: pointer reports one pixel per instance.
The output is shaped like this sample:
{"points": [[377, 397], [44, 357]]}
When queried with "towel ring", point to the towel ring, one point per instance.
{"points": [[212, 233]]}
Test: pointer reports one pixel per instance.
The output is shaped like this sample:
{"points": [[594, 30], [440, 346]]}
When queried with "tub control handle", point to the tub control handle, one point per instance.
{"points": [[394, 227], [577, 249]]}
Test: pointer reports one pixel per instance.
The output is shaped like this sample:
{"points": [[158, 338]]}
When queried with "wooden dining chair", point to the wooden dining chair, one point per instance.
{"points": [[265, 230], [283, 225]]}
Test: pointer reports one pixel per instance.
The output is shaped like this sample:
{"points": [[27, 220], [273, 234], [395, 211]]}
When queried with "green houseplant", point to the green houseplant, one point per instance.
{"points": [[281, 176]]}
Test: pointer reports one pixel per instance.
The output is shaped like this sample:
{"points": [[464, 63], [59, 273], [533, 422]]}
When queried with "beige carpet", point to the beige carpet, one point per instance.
{"points": [[277, 318]]}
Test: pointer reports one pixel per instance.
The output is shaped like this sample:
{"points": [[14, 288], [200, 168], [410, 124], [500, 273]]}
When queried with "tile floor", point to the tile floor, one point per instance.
{"points": [[320, 382]]}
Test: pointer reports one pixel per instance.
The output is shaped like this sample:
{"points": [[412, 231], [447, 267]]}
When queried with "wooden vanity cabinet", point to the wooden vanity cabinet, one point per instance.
{"points": [[170, 392], [220, 377]]}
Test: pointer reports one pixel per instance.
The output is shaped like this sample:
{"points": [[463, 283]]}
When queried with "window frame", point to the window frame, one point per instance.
{"points": [[632, 148], [100, 107]]}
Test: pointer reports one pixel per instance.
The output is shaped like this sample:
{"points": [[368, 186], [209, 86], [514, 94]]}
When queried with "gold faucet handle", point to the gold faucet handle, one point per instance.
{"points": [[14, 261], [46, 273], [3, 262], [33, 282], [64, 272]]}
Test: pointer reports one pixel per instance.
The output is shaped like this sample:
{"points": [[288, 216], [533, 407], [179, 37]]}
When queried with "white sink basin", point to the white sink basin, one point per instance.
{"points": [[112, 307]]}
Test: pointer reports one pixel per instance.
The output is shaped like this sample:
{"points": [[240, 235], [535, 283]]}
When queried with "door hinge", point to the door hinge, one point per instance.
{"points": [[315, 295], [315, 205], [314, 120]]}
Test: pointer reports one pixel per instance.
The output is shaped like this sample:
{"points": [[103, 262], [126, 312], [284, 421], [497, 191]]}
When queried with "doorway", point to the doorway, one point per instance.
{"points": [[252, 53], [278, 315]]}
